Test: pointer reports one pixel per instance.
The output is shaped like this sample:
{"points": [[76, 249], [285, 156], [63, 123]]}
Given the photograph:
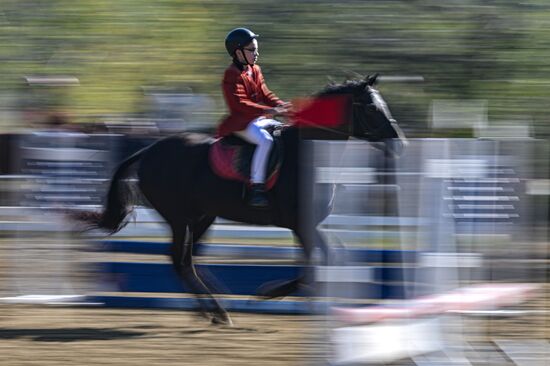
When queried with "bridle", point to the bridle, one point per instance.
{"points": [[360, 112]]}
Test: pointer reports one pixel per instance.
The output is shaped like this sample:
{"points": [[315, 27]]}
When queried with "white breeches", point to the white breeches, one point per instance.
{"points": [[255, 133]]}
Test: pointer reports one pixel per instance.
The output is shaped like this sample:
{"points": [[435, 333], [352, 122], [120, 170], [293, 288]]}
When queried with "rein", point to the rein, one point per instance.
{"points": [[323, 128]]}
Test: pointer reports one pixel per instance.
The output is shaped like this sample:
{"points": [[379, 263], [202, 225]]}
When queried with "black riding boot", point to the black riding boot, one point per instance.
{"points": [[258, 197]]}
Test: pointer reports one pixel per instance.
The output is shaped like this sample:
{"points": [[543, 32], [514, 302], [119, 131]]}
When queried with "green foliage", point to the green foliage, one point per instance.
{"points": [[469, 49]]}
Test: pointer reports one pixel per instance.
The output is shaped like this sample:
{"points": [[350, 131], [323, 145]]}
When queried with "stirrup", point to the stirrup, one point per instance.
{"points": [[258, 197]]}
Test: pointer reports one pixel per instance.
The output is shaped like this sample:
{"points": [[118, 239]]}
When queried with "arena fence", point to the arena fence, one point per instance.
{"points": [[445, 217]]}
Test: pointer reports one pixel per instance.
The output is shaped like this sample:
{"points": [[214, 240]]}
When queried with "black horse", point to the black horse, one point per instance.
{"points": [[175, 177]]}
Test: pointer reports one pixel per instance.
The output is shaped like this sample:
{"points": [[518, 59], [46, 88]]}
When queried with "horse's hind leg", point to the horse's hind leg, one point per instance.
{"points": [[182, 259]]}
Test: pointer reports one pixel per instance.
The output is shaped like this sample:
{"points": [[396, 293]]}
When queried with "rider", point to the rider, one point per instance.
{"points": [[252, 106]]}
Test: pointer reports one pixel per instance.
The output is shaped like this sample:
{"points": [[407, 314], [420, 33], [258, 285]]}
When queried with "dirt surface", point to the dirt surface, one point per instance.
{"points": [[33, 335], [51, 335]]}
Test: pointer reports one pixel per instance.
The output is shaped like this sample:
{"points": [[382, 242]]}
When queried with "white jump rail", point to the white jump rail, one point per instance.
{"points": [[476, 297], [145, 222], [147, 215], [385, 334]]}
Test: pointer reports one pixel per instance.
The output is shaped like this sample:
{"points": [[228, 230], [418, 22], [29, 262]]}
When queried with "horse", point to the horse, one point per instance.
{"points": [[176, 179]]}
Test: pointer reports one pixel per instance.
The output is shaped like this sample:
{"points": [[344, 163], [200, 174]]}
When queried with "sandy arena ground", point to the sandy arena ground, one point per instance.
{"points": [[31, 335], [52, 335]]}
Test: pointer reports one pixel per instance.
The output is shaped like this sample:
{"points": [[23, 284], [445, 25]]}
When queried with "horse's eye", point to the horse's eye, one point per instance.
{"points": [[372, 108]]}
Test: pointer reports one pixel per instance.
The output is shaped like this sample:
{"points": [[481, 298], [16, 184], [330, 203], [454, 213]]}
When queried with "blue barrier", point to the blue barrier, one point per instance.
{"points": [[384, 282], [254, 251], [283, 307], [242, 279]]}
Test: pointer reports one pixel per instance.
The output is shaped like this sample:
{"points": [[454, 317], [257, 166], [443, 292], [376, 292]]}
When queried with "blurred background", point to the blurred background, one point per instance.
{"points": [[85, 83], [114, 57]]}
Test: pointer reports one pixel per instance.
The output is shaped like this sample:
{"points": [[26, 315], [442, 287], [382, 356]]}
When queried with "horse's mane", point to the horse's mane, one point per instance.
{"points": [[347, 87]]}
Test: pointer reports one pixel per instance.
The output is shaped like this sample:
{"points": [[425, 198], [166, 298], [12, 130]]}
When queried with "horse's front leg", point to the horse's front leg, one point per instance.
{"points": [[309, 240], [182, 259]]}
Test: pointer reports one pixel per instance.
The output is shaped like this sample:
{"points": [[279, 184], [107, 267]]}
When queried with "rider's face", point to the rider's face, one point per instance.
{"points": [[250, 53]]}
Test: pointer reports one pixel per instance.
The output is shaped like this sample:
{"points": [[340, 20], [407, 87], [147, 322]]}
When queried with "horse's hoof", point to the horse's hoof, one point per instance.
{"points": [[222, 319], [203, 315]]}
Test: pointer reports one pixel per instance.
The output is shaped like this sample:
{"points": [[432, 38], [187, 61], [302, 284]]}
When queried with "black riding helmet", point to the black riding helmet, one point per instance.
{"points": [[237, 39]]}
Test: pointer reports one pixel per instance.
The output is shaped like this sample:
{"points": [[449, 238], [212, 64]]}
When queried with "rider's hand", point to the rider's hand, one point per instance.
{"points": [[284, 110], [280, 110]]}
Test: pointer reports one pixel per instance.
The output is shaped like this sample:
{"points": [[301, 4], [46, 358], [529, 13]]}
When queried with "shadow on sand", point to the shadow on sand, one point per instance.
{"points": [[68, 334]]}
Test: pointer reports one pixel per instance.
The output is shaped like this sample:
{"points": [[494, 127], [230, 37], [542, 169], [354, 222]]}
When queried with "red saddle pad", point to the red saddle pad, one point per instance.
{"points": [[230, 158]]}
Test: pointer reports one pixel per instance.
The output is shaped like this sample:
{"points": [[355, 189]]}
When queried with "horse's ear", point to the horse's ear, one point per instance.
{"points": [[355, 75], [331, 80], [351, 75], [371, 80]]}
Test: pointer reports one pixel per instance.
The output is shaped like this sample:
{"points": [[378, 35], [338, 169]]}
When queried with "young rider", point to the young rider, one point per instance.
{"points": [[252, 106]]}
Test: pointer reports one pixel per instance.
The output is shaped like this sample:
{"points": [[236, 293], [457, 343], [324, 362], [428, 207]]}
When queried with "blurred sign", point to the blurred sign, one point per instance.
{"points": [[52, 81], [459, 113], [513, 130], [345, 175], [456, 168]]}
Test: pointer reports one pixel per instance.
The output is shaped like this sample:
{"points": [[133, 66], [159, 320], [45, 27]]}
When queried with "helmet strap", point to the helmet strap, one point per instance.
{"points": [[236, 59]]}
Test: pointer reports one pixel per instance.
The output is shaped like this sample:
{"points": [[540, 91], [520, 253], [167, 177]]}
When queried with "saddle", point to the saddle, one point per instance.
{"points": [[231, 158]]}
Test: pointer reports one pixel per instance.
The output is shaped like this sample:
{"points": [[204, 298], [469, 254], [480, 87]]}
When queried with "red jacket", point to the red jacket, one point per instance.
{"points": [[246, 96]]}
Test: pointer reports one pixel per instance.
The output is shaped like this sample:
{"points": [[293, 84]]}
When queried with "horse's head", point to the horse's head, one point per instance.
{"points": [[371, 118]]}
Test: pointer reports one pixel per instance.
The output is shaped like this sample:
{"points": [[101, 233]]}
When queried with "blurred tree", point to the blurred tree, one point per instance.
{"points": [[496, 50]]}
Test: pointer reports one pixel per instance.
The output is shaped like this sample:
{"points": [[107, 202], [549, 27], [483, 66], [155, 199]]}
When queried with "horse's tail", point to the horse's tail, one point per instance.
{"points": [[119, 201]]}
